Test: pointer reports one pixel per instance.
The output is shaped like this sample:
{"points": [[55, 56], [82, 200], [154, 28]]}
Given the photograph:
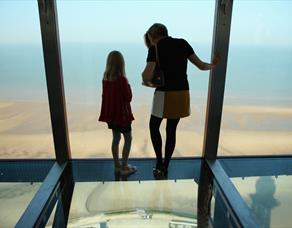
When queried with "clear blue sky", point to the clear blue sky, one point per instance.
{"points": [[254, 22]]}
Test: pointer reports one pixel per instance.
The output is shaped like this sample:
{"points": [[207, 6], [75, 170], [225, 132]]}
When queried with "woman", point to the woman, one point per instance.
{"points": [[172, 100]]}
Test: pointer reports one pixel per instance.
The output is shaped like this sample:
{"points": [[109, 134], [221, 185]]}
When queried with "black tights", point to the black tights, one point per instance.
{"points": [[171, 125]]}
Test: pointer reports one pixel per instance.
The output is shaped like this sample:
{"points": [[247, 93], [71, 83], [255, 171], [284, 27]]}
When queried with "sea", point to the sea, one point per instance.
{"points": [[256, 75]]}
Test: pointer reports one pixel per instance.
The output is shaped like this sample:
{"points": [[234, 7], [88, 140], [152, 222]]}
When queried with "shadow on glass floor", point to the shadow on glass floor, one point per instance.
{"points": [[90, 170]]}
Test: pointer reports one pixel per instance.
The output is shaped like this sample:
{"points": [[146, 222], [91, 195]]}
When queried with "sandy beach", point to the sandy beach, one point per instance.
{"points": [[25, 131]]}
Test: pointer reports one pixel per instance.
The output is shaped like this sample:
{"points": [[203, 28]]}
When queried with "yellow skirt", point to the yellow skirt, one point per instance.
{"points": [[171, 104]]}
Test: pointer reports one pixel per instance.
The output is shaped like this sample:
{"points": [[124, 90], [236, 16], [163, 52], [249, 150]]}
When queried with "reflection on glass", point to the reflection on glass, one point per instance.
{"points": [[268, 197], [263, 201], [14, 198], [124, 204], [258, 99], [89, 30], [25, 129]]}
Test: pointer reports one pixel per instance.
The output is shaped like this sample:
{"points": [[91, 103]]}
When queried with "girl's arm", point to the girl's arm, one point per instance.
{"points": [[126, 90], [202, 65]]}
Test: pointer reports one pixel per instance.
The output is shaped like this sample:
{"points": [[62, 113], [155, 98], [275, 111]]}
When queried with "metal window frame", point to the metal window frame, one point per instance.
{"points": [[54, 77], [221, 36], [42, 204], [59, 184]]}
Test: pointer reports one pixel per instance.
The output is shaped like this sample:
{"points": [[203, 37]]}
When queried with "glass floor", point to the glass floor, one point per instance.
{"points": [[134, 204], [228, 192], [266, 187], [19, 182], [14, 198], [106, 200]]}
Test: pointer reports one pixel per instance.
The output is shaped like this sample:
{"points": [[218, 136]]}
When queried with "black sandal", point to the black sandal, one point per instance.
{"points": [[160, 173]]}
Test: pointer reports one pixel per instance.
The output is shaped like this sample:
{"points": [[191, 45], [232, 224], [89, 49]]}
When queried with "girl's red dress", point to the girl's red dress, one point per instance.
{"points": [[116, 98]]}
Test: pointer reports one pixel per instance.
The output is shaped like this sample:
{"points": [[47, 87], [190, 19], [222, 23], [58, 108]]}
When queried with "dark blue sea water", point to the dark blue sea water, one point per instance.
{"points": [[255, 74]]}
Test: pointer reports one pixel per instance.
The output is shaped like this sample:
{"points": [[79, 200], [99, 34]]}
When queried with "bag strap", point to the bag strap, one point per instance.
{"points": [[157, 59]]}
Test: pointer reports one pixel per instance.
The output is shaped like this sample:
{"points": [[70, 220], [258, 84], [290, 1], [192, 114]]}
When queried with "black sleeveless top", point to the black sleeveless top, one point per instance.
{"points": [[173, 58]]}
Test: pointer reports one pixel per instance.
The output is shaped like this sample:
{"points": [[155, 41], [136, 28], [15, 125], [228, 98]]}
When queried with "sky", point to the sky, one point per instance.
{"points": [[253, 22]]}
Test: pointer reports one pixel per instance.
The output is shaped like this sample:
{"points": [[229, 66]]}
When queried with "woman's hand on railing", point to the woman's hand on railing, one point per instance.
{"points": [[215, 60]]}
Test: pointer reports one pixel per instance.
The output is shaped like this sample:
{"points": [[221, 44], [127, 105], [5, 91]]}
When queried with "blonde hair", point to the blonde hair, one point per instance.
{"points": [[115, 66]]}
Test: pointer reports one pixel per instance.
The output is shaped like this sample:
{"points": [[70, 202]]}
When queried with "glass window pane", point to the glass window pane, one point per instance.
{"points": [[89, 30], [257, 114], [25, 128]]}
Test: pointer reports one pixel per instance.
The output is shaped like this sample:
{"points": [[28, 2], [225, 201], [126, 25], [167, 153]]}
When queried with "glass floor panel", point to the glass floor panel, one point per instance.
{"points": [[14, 198], [165, 203], [193, 195], [266, 187], [19, 181], [104, 201]]}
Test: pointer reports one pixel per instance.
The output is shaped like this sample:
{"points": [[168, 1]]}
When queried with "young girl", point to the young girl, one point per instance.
{"points": [[116, 109]]}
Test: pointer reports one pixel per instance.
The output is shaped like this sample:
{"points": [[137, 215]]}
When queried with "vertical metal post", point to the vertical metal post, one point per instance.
{"points": [[65, 198], [221, 35], [220, 213], [205, 194], [54, 76]]}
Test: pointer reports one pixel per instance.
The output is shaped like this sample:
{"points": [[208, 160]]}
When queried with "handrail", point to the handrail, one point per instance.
{"points": [[38, 211], [237, 207]]}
